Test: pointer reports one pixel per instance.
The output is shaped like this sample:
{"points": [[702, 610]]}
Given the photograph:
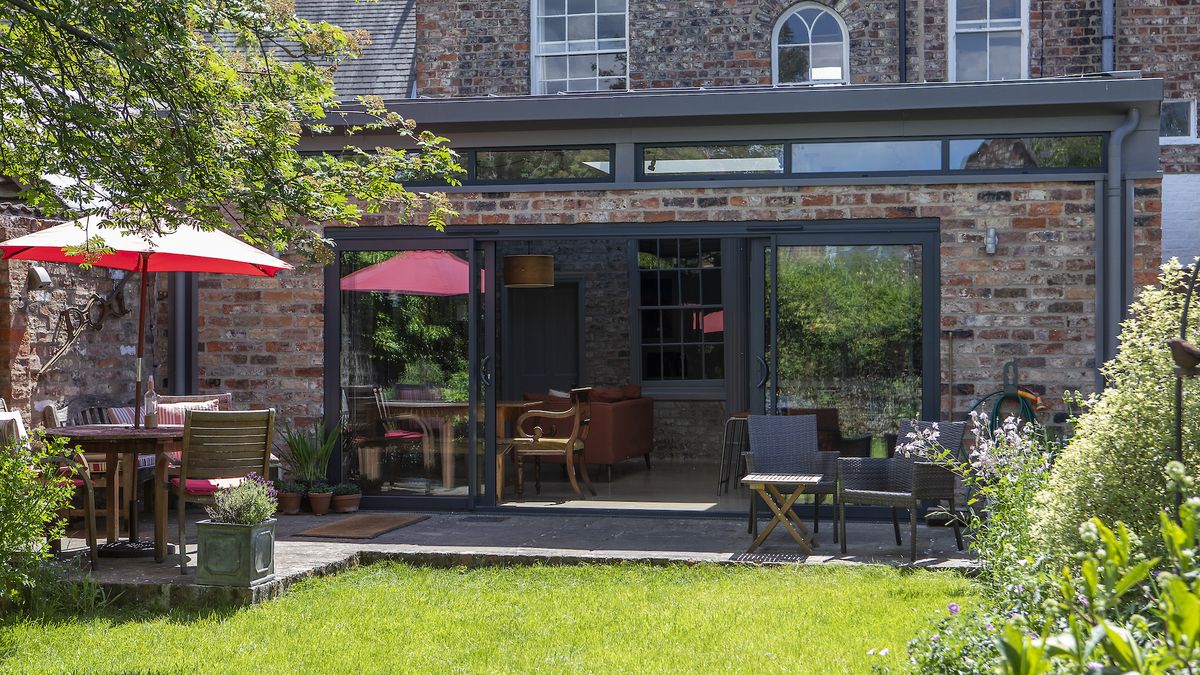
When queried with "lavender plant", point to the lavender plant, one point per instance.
{"points": [[1003, 472], [250, 502]]}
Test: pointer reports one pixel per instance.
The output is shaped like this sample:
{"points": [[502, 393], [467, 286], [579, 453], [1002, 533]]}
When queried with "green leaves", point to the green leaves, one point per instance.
{"points": [[171, 111]]}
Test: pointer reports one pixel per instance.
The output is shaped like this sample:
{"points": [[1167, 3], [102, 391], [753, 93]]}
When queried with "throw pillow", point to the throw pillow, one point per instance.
{"points": [[175, 413]]}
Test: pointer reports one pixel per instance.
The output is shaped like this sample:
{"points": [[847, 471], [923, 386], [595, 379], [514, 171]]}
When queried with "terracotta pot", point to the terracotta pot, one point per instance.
{"points": [[319, 502], [346, 503], [289, 503]]}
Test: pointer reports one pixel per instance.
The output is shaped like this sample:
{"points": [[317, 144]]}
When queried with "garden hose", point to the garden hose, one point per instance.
{"points": [[1028, 403]]}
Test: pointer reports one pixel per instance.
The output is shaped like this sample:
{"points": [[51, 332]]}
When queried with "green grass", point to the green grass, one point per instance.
{"points": [[613, 618]]}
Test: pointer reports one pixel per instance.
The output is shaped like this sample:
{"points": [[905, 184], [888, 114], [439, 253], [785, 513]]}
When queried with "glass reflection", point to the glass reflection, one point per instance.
{"points": [[404, 339]]}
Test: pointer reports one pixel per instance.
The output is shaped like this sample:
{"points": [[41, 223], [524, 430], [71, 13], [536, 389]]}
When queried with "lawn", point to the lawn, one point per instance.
{"points": [[624, 618]]}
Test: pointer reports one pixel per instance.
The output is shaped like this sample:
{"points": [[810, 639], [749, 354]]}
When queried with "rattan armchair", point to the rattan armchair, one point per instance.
{"points": [[898, 482], [789, 444]]}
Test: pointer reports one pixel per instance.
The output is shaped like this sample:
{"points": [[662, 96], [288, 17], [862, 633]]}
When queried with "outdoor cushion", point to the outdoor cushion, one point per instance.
{"points": [[402, 434], [120, 415], [202, 486], [174, 413], [97, 464]]}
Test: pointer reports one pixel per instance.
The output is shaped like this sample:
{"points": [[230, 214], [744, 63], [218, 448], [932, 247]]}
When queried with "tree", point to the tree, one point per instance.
{"points": [[159, 112]]}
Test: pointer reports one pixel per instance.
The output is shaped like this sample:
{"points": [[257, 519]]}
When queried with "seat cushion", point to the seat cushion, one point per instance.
{"points": [[207, 486], [402, 434]]}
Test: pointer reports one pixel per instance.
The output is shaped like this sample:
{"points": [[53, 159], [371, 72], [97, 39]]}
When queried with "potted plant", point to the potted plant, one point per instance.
{"points": [[307, 452], [237, 542], [289, 493], [346, 497], [319, 497]]}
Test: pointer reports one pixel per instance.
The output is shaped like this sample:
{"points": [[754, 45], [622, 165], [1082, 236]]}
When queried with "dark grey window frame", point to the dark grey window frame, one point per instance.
{"points": [[471, 166], [788, 172], [682, 389]]}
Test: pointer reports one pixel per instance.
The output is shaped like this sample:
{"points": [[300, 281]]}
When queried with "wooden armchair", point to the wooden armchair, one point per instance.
{"points": [[99, 473], [537, 445], [219, 450]]}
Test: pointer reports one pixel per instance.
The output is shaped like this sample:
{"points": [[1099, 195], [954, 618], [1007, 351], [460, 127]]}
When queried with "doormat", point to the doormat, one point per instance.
{"points": [[366, 526]]}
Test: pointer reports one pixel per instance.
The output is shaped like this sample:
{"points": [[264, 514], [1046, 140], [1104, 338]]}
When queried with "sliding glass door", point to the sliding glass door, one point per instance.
{"points": [[848, 326], [412, 382]]}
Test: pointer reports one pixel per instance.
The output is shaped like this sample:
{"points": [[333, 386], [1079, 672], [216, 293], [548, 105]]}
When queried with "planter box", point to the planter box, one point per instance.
{"points": [[235, 555]]}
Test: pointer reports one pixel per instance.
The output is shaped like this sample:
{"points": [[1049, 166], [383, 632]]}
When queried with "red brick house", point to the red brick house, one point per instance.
{"points": [[751, 205]]}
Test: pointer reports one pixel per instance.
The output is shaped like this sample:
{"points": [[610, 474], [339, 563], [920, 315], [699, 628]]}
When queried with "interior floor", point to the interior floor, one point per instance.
{"points": [[667, 486]]}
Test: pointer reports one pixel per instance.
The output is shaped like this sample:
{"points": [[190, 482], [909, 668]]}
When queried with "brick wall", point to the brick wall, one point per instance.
{"points": [[1162, 39], [260, 338], [477, 48], [99, 368], [1034, 300]]}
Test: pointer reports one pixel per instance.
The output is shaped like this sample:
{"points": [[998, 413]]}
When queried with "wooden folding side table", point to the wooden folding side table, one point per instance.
{"points": [[767, 486]]}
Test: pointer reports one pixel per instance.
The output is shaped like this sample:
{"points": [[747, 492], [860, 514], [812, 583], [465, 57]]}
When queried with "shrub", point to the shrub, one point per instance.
{"points": [[282, 486], [1005, 470], [249, 503], [347, 489], [32, 493], [1111, 468], [1121, 611]]}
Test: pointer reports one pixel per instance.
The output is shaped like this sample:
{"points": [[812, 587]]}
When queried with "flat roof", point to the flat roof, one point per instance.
{"points": [[1098, 94]]}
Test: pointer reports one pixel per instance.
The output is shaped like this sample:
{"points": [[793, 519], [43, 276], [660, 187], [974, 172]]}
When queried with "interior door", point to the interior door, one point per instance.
{"points": [[405, 323], [849, 321], [543, 339]]}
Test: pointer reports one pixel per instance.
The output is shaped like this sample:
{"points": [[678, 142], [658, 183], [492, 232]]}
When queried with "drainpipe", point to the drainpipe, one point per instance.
{"points": [[902, 17], [1116, 275], [1106, 36]]}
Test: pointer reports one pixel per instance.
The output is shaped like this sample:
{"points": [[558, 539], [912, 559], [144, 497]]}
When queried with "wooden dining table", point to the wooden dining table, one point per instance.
{"points": [[445, 412], [122, 441]]}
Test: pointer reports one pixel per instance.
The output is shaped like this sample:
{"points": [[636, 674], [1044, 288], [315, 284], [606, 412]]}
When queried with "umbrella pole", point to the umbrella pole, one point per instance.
{"points": [[141, 344]]}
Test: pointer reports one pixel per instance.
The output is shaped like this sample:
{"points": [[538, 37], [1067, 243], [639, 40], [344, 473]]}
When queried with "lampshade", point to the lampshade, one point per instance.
{"points": [[528, 271]]}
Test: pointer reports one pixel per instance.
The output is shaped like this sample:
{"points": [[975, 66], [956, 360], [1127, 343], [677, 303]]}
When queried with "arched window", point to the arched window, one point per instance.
{"points": [[810, 46]]}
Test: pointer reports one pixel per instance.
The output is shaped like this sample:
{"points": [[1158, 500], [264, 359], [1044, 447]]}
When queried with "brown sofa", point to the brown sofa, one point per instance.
{"points": [[622, 425]]}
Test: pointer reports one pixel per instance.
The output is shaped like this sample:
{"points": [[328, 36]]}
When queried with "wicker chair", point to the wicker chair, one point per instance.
{"points": [[938, 484], [897, 482], [219, 450], [788, 444]]}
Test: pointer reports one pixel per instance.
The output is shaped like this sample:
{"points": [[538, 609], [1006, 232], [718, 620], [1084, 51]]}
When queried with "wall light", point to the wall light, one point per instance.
{"points": [[38, 278], [990, 240]]}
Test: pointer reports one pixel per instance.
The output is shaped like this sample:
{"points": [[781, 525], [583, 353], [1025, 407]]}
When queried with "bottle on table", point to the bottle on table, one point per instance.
{"points": [[150, 405]]}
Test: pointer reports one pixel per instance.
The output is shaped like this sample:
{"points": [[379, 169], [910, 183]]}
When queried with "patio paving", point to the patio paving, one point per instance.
{"points": [[493, 538]]}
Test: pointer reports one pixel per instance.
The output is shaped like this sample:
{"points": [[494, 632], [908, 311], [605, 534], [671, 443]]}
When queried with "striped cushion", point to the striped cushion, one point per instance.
{"points": [[123, 415], [174, 413], [98, 464]]}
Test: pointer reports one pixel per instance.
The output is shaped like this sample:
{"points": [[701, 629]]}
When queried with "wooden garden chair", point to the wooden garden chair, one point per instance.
{"points": [[219, 450]]}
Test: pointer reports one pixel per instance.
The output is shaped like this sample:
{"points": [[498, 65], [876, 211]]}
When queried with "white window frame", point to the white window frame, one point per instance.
{"points": [[535, 56], [952, 27], [787, 14], [1191, 138]]}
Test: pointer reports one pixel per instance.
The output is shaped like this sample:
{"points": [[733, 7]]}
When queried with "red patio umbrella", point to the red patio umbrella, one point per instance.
{"points": [[186, 249], [415, 273]]}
